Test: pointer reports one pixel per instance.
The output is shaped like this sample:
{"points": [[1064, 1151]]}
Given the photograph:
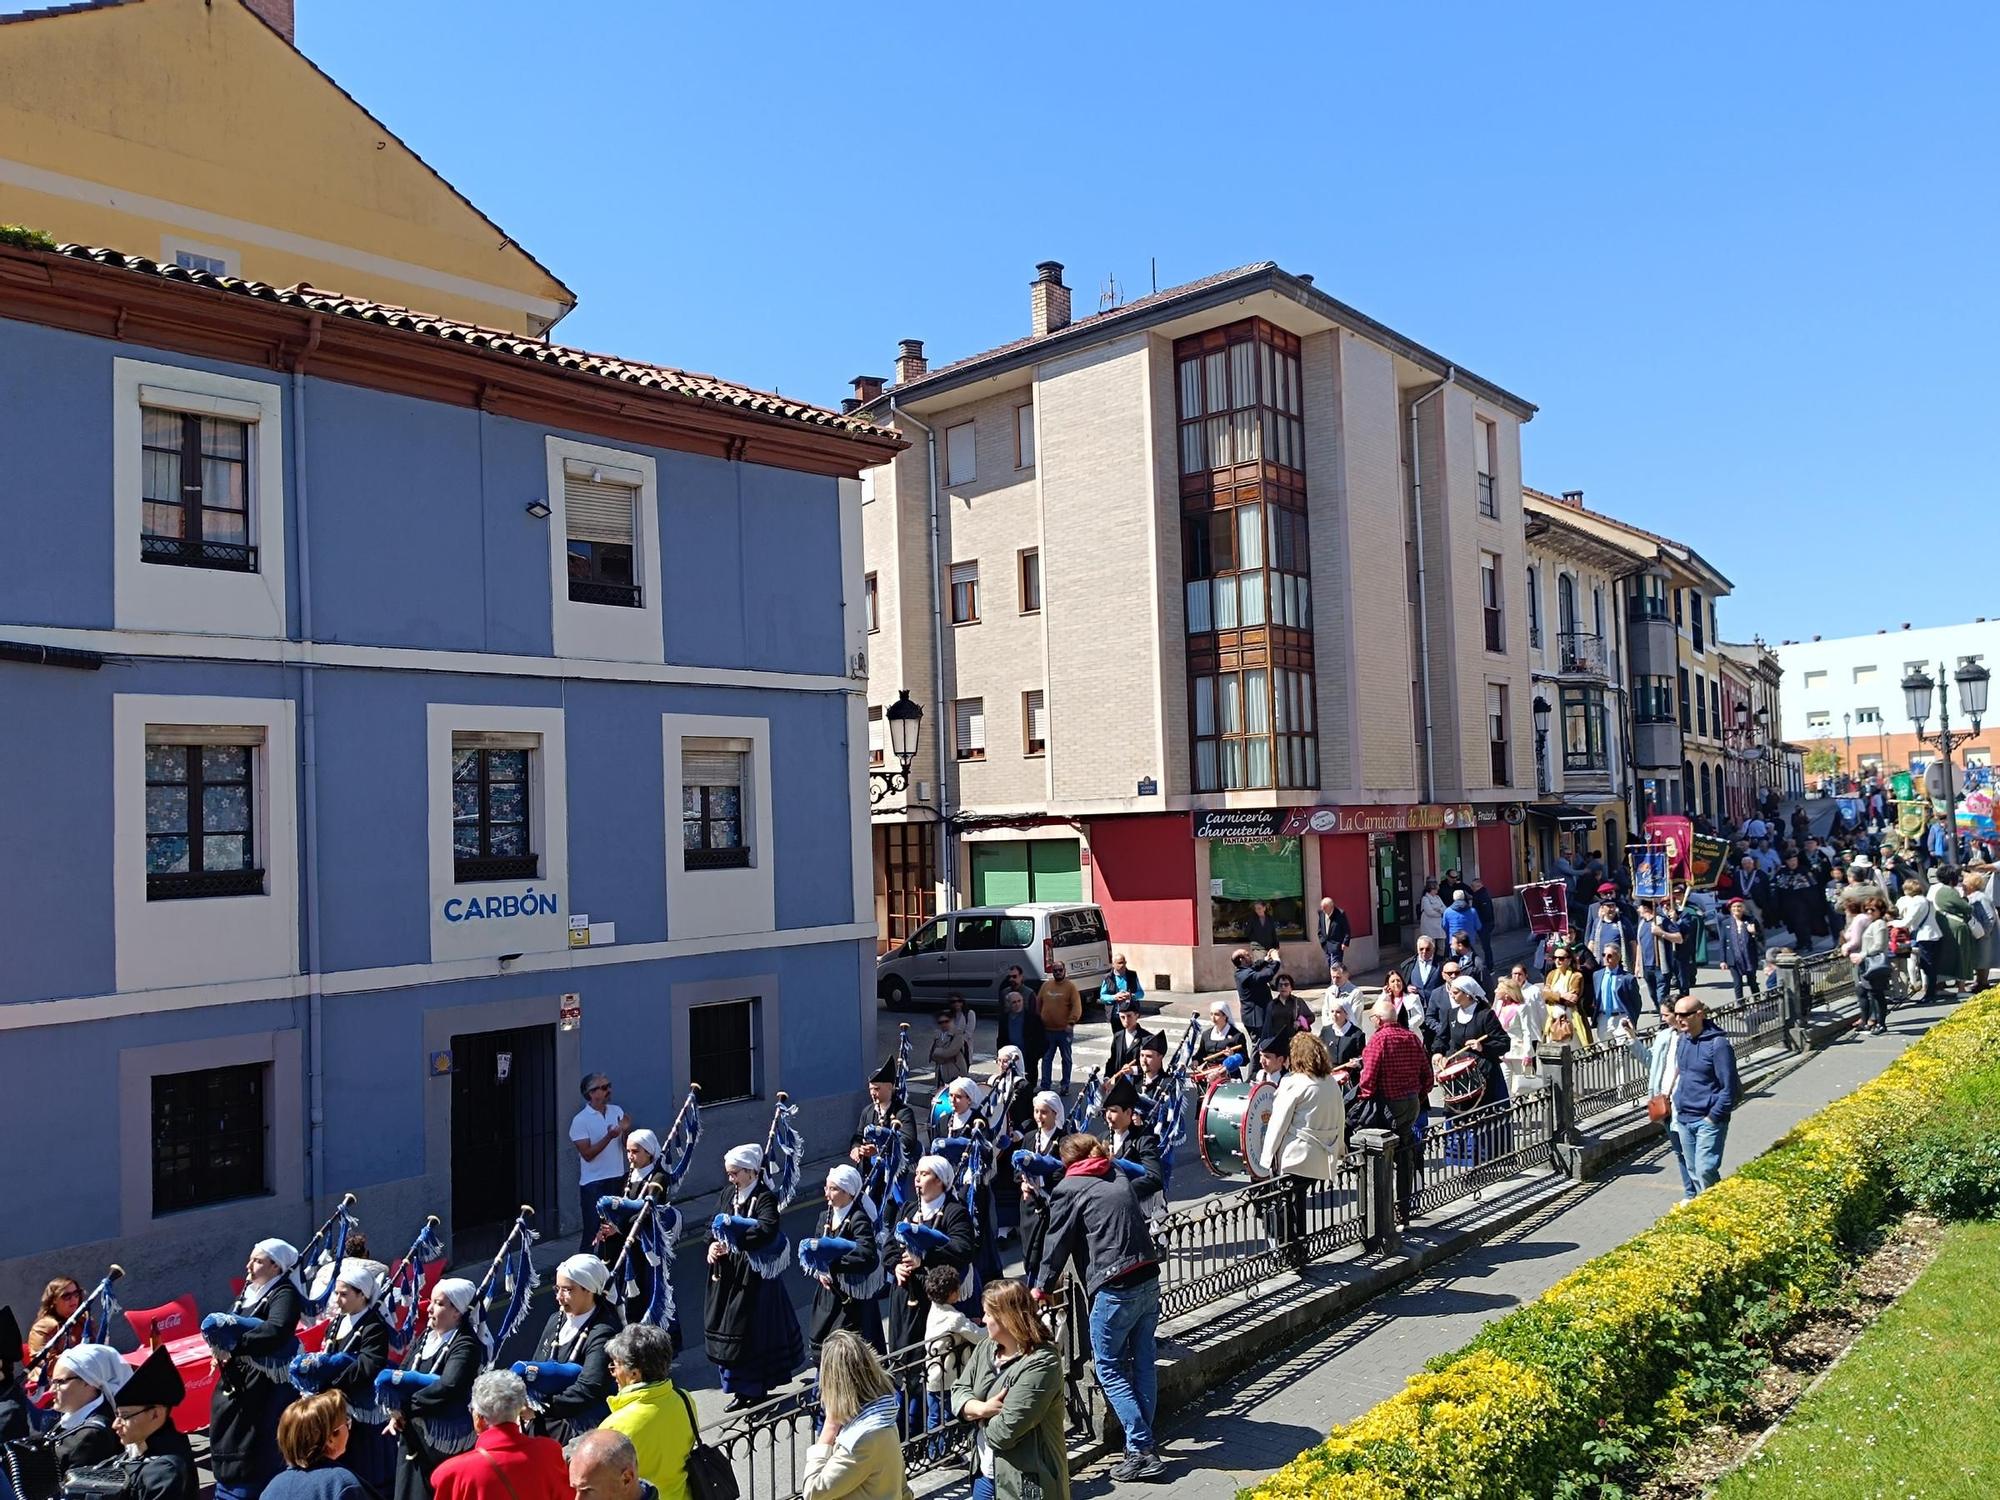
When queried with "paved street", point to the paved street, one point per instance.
{"points": [[1252, 1425]]}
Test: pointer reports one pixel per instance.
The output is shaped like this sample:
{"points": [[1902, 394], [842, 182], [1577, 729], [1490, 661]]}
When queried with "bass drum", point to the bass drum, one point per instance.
{"points": [[1234, 1118]]}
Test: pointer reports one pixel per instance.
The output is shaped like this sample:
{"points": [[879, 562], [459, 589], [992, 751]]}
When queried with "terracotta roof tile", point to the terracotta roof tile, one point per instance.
{"points": [[43, 12], [664, 378]]}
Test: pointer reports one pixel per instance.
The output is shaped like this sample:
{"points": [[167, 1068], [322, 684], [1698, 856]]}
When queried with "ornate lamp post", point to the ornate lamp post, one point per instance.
{"points": [[1972, 681], [906, 727]]}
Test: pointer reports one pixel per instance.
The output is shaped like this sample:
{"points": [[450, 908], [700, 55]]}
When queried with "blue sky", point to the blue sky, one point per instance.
{"points": [[1741, 256]]}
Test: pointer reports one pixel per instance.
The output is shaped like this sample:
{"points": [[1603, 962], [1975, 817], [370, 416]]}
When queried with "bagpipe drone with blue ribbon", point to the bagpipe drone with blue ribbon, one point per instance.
{"points": [[403, 1290], [448, 1432], [1089, 1101], [653, 1226], [319, 1263], [513, 1271], [784, 1157], [224, 1334]]}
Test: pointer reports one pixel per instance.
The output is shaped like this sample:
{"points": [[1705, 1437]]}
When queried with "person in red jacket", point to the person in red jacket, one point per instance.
{"points": [[505, 1463]]}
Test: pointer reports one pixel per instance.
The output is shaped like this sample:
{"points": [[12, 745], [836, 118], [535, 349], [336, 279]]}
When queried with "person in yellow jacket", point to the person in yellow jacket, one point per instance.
{"points": [[648, 1410]]}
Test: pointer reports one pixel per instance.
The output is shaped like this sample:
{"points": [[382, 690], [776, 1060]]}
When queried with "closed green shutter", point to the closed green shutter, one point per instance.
{"points": [[1057, 869], [999, 873]]}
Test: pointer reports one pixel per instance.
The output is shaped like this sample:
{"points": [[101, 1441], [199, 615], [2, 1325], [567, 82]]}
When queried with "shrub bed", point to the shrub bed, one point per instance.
{"points": [[1624, 1343]]}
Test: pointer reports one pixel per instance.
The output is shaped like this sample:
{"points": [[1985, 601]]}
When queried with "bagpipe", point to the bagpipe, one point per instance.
{"points": [[821, 1255], [902, 1096], [784, 1156], [224, 1332], [513, 1270], [396, 1298], [319, 1262], [655, 1227], [1090, 1100], [93, 1317]]}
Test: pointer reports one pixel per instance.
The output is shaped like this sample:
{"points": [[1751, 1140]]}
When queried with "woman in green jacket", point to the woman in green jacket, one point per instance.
{"points": [[1012, 1391]]}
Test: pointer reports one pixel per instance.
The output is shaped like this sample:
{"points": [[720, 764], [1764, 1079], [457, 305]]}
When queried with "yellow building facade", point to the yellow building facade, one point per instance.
{"points": [[194, 130]]}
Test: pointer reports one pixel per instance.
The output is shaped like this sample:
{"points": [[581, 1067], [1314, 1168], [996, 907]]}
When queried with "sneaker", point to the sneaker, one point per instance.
{"points": [[1150, 1467], [1127, 1468]]}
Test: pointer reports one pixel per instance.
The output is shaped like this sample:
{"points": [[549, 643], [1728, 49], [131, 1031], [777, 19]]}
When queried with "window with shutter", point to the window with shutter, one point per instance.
{"points": [[971, 723], [965, 593], [876, 747], [958, 453], [712, 798], [1035, 721], [1024, 437], [600, 513]]}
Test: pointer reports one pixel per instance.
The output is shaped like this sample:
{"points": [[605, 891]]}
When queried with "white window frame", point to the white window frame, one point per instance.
{"points": [[721, 903], [957, 742], [952, 582], [738, 1119], [217, 939], [969, 472], [606, 632], [172, 245], [453, 934], [1024, 435], [1028, 713], [204, 601]]}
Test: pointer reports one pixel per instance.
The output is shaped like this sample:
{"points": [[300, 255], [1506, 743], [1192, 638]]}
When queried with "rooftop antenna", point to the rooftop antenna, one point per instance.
{"points": [[1110, 296]]}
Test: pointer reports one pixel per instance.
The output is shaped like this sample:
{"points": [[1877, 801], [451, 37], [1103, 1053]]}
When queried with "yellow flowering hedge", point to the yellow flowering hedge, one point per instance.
{"points": [[1506, 1415]]}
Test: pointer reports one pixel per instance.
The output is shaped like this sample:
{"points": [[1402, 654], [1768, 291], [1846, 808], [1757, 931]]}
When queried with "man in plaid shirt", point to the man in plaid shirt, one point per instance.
{"points": [[1396, 1069]]}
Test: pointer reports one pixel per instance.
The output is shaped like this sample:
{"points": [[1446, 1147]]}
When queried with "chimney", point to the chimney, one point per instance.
{"points": [[1048, 299], [277, 14], [910, 361], [1573, 498], [848, 405], [867, 388]]}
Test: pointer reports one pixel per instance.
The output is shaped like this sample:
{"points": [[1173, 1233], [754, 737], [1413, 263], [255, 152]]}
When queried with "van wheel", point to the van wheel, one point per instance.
{"points": [[896, 995]]}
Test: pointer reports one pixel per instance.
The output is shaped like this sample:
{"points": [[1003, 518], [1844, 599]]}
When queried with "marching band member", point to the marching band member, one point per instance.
{"points": [[253, 1343], [154, 1462], [87, 1381], [1133, 1149], [1125, 1044], [360, 1334], [1472, 1029], [648, 1173], [1221, 1039], [1039, 1168], [883, 1112], [435, 1421], [844, 1258], [569, 1374], [751, 1331], [1154, 1082], [935, 1230]]}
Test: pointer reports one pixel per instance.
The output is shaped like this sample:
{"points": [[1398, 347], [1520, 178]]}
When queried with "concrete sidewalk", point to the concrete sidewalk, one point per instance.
{"points": [[1238, 1433]]}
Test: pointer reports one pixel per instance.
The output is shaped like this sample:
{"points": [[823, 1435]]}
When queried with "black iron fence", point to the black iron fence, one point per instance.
{"points": [[1233, 1243]]}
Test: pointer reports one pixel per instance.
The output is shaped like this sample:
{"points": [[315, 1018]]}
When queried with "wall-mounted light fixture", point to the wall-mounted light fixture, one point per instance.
{"points": [[539, 509]]}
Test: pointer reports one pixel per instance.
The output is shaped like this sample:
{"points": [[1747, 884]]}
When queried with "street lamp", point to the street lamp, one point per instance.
{"points": [[1847, 733], [1541, 709], [1972, 680], [906, 726]]}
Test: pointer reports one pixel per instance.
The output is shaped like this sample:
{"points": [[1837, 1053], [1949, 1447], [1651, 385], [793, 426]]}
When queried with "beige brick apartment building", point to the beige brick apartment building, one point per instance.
{"points": [[1209, 598]]}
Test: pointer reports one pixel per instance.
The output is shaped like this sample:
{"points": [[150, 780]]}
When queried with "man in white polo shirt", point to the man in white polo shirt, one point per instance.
{"points": [[596, 1131]]}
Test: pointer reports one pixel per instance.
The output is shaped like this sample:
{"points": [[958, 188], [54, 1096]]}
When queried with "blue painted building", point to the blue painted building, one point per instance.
{"points": [[375, 693]]}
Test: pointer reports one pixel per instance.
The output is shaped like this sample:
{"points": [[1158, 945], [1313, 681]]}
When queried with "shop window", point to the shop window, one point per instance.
{"points": [[722, 1050], [1242, 874]]}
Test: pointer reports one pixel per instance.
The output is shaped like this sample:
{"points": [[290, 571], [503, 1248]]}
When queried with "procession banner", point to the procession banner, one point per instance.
{"points": [[1677, 835], [1649, 872], [1706, 862], [1546, 903], [1902, 787], [1911, 818]]}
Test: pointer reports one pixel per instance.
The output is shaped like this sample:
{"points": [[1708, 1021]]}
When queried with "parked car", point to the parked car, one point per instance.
{"points": [[969, 952]]}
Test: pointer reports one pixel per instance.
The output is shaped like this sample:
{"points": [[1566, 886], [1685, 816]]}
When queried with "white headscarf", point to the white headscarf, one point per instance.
{"points": [[846, 1178], [99, 1366], [362, 1275], [586, 1271], [460, 1293], [280, 1251], [1008, 1060], [646, 1141], [939, 1168], [744, 1158], [1054, 1101]]}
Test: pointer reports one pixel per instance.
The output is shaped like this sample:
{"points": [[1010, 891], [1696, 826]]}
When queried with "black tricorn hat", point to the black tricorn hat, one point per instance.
{"points": [[1276, 1044], [1156, 1041], [1123, 1094], [10, 1338], [155, 1383], [886, 1073]]}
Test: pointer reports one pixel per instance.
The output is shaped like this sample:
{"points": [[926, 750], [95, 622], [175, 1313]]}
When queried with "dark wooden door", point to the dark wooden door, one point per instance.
{"points": [[504, 1134]]}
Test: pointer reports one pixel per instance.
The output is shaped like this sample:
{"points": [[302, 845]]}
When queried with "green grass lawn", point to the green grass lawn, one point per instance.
{"points": [[1914, 1409]]}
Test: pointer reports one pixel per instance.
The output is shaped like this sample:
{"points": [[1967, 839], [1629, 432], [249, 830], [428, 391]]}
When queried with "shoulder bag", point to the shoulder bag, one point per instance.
{"points": [[709, 1476]]}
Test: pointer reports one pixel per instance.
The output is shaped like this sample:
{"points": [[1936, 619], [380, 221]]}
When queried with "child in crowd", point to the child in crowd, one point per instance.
{"points": [[947, 1334]]}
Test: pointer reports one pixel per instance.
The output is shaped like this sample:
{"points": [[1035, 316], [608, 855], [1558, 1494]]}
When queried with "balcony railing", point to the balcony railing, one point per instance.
{"points": [[1580, 652], [1586, 762]]}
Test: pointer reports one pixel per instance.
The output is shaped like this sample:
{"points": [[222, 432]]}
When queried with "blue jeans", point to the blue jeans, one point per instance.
{"points": [[1701, 1143], [1123, 1321], [982, 1488], [1656, 984], [1054, 1041], [1688, 1187]]}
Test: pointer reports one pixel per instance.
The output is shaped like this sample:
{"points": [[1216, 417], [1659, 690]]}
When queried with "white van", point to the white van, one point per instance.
{"points": [[969, 953]]}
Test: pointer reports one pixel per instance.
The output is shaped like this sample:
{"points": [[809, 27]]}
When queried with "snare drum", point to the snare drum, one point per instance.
{"points": [[1462, 1081], [1234, 1118]]}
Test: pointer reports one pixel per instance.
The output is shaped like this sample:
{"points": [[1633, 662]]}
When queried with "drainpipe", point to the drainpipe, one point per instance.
{"points": [[309, 739], [1423, 590], [946, 849]]}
